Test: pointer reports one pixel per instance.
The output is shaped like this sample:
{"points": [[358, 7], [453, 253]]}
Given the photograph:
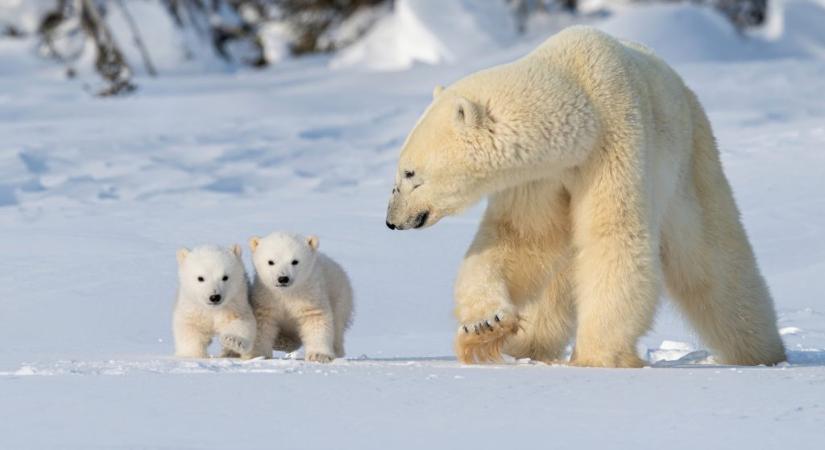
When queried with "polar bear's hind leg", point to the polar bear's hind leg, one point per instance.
{"points": [[709, 266]]}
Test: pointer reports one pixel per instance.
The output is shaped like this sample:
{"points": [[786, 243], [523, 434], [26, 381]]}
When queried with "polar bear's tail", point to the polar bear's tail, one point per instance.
{"points": [[709, 266]]}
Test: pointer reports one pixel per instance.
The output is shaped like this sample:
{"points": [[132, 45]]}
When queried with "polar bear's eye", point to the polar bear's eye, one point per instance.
{"points": [[294, 262], [225, 277], [200, 279], [409, 173], [271, 262]]}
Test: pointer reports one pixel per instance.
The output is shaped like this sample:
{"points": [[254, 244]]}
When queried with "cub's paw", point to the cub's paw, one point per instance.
{"points": [[236, 344], [319, 357], [481, 341]]}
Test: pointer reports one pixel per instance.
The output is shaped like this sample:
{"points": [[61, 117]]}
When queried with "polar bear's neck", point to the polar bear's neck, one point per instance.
{"points": [[541, 121], [541, 207]]}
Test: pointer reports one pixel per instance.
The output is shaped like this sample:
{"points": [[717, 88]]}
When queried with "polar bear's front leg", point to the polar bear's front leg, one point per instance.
{"points": [[484, 310], [617, 267]]}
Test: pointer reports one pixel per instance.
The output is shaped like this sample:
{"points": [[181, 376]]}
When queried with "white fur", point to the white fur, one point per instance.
{"points": [[196, 319], [604, 184], [314, 309]]}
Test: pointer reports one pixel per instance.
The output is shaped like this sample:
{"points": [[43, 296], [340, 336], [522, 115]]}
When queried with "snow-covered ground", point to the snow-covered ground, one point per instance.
{"points": [[97, 194]]}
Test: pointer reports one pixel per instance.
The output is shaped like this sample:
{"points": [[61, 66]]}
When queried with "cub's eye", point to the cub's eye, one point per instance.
{"points": [[200, 279], [294, 262], [271, 262], [409, 173], [225, 277]]}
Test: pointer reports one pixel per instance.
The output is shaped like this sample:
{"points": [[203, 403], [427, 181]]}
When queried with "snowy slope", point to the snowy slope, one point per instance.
{"points": [[96, 195]]}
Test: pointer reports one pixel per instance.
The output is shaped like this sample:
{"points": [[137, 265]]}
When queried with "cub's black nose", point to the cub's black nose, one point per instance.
{"points": [[391, 226], [215, 298], [283, 280]]}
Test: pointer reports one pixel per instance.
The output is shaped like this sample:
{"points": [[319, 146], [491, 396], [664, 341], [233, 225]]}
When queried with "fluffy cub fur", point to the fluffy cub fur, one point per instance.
{"points": [[300, 296], [212, 300]]}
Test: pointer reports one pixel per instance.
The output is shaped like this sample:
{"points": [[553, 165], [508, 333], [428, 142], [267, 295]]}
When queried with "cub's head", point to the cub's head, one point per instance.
{"points": [[439, 170], [283, 260], [210, 275]]}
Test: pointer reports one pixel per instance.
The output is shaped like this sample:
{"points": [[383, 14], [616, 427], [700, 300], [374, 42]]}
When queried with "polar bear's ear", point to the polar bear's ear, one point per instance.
{"points": [[467, 113], [182, 254], [313, 242], [236, 249], [437, 90], [254, 241]]}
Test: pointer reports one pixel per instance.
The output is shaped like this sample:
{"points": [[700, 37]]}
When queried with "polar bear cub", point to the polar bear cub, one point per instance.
{"points": [[213, 300], [300, 296]]}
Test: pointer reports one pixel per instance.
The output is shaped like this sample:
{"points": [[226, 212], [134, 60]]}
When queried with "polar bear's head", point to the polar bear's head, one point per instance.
{"points": [[437, 175], [465, 147], [284, 260], [210, 275]]}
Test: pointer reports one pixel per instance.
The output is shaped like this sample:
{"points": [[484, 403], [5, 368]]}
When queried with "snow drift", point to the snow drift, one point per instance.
{"points": [[434, 32]]}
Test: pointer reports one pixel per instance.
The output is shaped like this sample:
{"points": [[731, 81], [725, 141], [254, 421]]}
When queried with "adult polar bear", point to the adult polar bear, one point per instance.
{"points": [[603, 177]]}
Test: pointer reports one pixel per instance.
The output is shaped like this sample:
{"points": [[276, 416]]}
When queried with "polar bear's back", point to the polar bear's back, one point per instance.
{"points": [[624, 79], [595, 55]]}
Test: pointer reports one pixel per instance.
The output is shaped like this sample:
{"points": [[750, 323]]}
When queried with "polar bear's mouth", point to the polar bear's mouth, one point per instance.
{"points": [[421, 219]]}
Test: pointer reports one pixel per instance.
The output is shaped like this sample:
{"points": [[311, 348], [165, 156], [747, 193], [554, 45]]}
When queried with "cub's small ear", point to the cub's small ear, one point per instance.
{"points": [[467, 113], [254, 241], [236, 249], [313, 242], [437, 90], [182, 254]]}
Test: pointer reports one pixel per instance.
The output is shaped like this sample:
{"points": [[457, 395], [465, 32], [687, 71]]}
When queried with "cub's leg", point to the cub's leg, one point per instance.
{"points": [[711, 272], [343, 317], [237, 335], [317, 333], [266, 330], [190, 341], [338, 342]]}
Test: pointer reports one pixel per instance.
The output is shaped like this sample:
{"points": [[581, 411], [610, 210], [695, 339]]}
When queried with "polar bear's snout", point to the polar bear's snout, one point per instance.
{"points": [[215, 299], [401, 216], [284, 281], [415, 221]]}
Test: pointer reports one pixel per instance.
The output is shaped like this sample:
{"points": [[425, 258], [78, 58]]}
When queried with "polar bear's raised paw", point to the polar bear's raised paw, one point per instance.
{"points": [[481, 341]]}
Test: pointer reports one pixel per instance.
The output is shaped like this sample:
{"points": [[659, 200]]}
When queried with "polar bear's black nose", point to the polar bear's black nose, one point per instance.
{"points": [[283, 280], [391, 226], [215, 298]]}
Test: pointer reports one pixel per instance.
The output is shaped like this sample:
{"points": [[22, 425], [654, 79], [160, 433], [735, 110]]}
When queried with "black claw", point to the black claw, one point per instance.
{"points": [[478, 331], [498, 319], [487, 322], [466, 330]]}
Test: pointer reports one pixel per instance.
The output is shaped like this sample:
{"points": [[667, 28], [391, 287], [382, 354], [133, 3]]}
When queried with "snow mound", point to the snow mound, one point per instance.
{"points": [[691, 33], [796, 28], [431, 32], [681, 32]]}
